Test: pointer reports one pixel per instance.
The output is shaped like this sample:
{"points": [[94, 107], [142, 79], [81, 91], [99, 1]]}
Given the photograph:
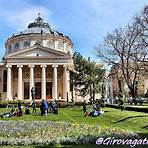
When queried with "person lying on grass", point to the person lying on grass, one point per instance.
{"points": [[12, 113]]}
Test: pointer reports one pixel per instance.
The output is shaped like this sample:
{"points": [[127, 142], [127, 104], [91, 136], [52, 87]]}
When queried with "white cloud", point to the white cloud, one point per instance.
{"points": [[20, 16]]}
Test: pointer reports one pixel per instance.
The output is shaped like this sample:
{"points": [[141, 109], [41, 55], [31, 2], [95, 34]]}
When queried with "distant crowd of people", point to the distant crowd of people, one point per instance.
{"points": [[52, 107], [45, 108]]}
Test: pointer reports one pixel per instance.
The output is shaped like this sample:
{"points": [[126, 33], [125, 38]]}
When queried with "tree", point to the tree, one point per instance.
{"points": [[86, 76], [125, 50], [142, 20]]}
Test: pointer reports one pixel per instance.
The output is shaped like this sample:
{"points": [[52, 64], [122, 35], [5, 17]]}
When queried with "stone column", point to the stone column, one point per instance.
{"points": [[9, 91], [31, 78], [54, 86], [66, 85], [20, 82], [43, 81]]}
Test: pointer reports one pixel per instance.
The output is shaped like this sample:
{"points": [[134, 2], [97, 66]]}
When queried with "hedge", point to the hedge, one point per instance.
{"points": [[4, 103], [131, 108]]}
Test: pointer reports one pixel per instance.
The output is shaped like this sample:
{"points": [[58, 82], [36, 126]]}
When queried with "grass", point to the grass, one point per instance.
{"points": [[128, 120]]}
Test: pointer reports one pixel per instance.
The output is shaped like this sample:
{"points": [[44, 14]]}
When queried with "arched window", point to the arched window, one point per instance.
{"points": [[26, 43], [50, 44], [60, 45], [16, 45]]}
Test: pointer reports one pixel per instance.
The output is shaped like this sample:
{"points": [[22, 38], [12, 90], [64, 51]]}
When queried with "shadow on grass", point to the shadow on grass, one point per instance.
{"points": [[106, 111], [145, 127], [130, 118]]}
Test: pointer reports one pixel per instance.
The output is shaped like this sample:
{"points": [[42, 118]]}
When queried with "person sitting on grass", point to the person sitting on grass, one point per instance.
{"points": [[96, 111], [27, 111], [54, 107]]}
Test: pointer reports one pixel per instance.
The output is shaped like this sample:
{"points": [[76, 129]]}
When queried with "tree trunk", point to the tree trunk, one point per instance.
{"points": [[133, 94], [93, 91]]}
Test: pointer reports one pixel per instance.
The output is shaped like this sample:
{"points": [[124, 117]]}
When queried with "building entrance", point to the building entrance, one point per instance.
{"points": [[48, 90], [26, 90], [37, 90]]}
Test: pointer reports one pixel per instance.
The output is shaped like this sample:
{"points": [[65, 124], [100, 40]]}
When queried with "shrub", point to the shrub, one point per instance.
{"points": [[62, 104], [7, 103], [131, 108], [3, 105], [80, 103]]}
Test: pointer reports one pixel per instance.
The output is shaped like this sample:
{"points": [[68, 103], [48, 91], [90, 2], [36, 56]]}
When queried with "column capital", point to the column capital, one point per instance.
{"points": [[55, 65], [19, 66], [31, 66], [65, 66], [8, 66], [43, 65]]}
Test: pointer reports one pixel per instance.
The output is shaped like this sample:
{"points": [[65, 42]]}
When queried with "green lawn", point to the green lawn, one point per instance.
{"points": [[128, 120]]}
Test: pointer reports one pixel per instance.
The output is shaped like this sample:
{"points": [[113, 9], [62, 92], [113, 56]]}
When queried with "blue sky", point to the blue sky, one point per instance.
{"points": [[86, 22]]}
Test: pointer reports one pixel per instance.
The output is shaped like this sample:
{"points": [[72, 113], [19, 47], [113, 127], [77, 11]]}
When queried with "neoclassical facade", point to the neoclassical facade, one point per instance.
{"points": [[117, 84], [38, 57]]}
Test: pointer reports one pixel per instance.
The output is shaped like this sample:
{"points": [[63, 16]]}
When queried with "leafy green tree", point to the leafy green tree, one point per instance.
{"points": [[86, 77]]}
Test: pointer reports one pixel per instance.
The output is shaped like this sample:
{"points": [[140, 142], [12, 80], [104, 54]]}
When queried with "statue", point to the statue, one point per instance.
{"points": [[33, 100], [33, 93]]}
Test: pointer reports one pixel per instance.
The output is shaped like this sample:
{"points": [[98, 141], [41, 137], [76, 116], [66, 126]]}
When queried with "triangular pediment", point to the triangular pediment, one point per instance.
{"points": [[38, 51]]}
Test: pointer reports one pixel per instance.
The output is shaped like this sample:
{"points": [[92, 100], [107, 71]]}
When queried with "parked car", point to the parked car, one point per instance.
{"points": [[138, 100]]}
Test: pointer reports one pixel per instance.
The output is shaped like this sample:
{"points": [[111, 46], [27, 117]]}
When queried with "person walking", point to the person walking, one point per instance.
{"points": [[46, 107], [42, 107], [84, 108]]}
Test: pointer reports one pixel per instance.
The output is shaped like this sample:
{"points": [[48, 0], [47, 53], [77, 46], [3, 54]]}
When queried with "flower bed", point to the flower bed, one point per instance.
{"points": [[47, 132]]}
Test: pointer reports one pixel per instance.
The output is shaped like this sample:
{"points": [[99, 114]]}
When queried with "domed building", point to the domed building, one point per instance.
{"points": [[40, 58]]}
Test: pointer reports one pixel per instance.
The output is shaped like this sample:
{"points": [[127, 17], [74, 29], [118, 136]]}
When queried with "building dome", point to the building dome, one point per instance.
{"points": [[38, 33], [39, 23]]}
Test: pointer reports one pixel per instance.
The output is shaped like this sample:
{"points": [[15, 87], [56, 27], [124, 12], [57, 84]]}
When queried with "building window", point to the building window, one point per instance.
{"points": [[16, 45], [26, 43], [38, 42], [5, 81], [50, 44], [60, 45]]}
